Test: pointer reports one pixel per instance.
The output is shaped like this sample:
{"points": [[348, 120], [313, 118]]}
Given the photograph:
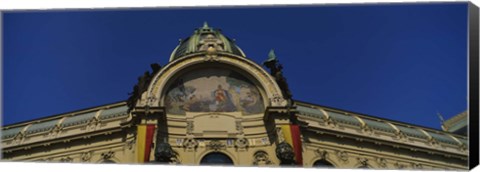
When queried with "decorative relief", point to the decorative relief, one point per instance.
{"points": [[382, 162], [433, 142], [280, 136], [363, 161], [463, 147], [342, 156], [86, 156], [230, 142], [107, 155], [19, 138], [66, 159], [241, 143], [190, 143], [239, 127], [93, 123], [367, 129], [54, 131], [215, 145], [401, 136], [261, 158], [277, 100], [130, 144], [265, 141], [399, 165], [330, 122], [417, 166], [151, 100], [322, 154], [179, 142], [189, 127]]}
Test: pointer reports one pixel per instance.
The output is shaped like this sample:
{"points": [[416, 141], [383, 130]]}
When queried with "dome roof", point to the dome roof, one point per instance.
{"points": [[202, 39]]}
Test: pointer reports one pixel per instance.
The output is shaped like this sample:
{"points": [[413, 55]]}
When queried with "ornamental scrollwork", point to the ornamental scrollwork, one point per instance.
{"points": [[322, 154], [66, 159], [401, 136], [190, 143], [382, 162], [417, 166], [86, 156], [107, 155], [342, 156], [261, 158], [216, 145], [399, 165], [241, 143], [363, 161]]}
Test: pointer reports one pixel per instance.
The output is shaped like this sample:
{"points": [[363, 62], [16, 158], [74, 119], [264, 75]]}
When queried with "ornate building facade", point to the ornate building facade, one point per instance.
{"points": [[212, 105]]}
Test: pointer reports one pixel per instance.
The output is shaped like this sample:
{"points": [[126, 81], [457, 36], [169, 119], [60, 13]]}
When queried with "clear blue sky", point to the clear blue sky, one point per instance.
{"points": [[401, 62]]}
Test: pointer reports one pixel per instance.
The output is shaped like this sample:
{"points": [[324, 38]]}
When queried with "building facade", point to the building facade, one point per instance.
{"points": [[212, 105]]}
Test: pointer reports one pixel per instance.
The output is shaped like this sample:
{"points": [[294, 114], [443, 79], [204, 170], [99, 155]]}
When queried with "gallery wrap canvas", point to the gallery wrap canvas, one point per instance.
{"points": [[345, 86]]}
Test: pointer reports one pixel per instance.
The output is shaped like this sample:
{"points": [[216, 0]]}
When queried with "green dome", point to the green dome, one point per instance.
{"points": [[202, 39]]}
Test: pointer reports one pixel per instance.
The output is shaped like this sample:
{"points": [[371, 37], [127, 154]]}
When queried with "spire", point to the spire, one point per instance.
{"points": [[205, 25]]}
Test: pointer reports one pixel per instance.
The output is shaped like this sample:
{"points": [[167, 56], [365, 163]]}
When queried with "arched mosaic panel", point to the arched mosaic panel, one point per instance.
{"points": [[213, 90]]}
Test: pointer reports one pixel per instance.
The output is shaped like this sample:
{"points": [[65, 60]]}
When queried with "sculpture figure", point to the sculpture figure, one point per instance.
{"points": [[141, 86], [275, 67]]}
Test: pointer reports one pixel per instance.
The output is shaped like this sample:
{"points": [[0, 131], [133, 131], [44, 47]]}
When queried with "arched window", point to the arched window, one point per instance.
{"points": [[323, 164], [216, 159]]}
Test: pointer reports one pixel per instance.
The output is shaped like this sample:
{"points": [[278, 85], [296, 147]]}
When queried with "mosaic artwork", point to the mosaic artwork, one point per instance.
{"points": [[213, 90]]}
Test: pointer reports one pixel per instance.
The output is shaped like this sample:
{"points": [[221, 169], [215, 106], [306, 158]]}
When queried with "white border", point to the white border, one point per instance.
{"points": [[20, 5]]}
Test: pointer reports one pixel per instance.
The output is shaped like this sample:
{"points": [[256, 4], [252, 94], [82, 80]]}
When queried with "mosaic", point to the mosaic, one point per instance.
{"points": [[213, 90]]}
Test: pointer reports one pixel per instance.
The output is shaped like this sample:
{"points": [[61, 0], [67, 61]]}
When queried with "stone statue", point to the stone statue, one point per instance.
{"points": [[155, 68], [275, 67], [164, 152], [285, 153], [141, 86]]}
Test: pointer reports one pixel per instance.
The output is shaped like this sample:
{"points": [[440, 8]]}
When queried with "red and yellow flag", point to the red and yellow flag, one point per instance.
{"points": [[292, 136], [144, 142]]}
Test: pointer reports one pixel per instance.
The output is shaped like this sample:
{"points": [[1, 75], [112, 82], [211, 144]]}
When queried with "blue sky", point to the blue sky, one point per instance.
{"points": [[400, 62]]}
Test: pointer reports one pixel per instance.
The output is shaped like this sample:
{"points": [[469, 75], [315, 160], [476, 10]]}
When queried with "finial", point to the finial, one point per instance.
{"points": [[271, 56], [205, 25], [441, 117]]}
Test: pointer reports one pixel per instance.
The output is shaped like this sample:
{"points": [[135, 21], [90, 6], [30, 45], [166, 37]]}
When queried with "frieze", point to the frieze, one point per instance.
{"points": [[55, 131], [401, 136], [107, 155], [417, 166], [342, 156], [382, 162], [86, 156], [399, 165], [216, 145], [322, 154], [363, 161]]}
